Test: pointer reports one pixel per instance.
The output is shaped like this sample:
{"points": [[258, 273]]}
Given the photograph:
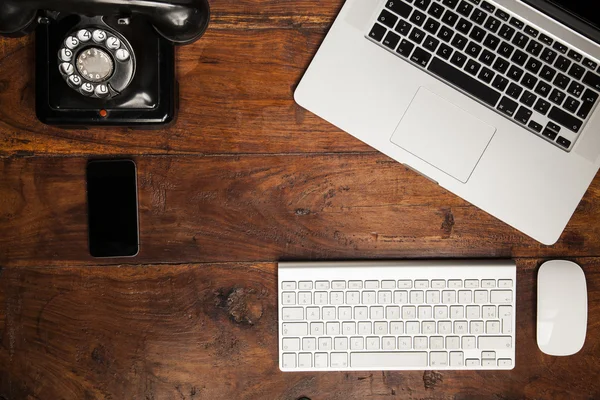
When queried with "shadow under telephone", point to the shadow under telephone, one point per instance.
{"points": [[106, 62]]}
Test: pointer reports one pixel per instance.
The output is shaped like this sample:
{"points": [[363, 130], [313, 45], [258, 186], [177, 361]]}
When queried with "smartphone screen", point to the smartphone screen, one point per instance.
{"points": [[112, 208]]}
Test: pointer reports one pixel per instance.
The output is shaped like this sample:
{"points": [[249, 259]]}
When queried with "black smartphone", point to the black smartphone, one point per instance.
{"points": [[113, 226]]}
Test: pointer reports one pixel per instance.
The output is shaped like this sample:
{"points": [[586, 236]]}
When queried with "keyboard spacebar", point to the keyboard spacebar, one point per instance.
{"points": [[463, 81], [388, 360]]}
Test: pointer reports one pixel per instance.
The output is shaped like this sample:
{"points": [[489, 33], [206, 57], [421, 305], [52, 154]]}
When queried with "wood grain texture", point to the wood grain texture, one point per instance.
{"points": [[234, 208], [209, 331]]}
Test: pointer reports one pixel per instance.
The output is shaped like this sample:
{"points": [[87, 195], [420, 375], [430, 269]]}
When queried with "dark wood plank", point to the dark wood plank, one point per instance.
{"points": [[236, 91], [209, 331], [229, 208]]}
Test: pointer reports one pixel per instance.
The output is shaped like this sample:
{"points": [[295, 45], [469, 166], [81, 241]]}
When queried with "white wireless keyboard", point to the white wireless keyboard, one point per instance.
{"points": [[404, 315]]}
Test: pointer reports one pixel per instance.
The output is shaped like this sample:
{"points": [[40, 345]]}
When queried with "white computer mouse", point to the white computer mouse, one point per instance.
{"points": [[561, 308]]}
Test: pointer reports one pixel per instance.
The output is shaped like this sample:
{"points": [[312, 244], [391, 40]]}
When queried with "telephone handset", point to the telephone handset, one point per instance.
{"points": [[105, 62]]}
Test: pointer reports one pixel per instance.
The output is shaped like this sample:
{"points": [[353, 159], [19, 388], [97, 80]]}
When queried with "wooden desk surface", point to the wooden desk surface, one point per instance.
{"points": [[245, 178]]}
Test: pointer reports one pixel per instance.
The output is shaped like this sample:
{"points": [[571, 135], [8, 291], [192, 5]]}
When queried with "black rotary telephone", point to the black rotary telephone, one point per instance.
{"points": [[105, 62]]}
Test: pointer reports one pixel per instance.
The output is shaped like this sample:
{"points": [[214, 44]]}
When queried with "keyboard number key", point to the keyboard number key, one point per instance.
{"points": [[288, 298]]}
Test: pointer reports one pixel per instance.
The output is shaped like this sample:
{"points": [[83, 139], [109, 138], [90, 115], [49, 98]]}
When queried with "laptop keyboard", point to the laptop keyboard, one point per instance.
{"points": [[516, 69]]}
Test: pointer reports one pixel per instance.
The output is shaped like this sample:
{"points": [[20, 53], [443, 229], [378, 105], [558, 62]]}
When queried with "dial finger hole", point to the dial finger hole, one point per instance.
{"points": [[84, 35]]}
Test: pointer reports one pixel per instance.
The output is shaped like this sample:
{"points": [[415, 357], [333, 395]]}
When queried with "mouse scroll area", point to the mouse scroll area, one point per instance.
{"points": [[561, 308]]}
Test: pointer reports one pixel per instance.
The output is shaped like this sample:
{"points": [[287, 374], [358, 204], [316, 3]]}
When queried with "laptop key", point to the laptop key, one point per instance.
{"points": [[491, 42], [523, 115], [431, 26], [507, 106], [486, 75], [387, 18], [420, 57], [546, 39], [450, 3], [477, 34], [445, 51], [473, 67], [459, 41], [445, 34], [458, 59], [534, 47], [403, 27], [417, 35], [562, 63], [400, 8], [542, 106], [519, 57], [549, 133], [506, 32], [565, 119], [520, 40], [590, 64], [377, 32], [479, 16], [450, 18], [557, 97], [543, 89], [405, 48], [528, 98], [563, 142], [572, 105], [436, 10], [535, 126], [464, 8], [589, 99], [562, 81], [488, 7], [515, 22], [501, 65], [464, 26], [592, 80], [576, 71], [560, 47], [533, 65], [549, 55], [514, 91], [431, 43], [417, 18], [515, 73], [505, 50], [463, 81], [502, 15], [547, 73], [576, 89], [391, 40], [575, 55], [500, 83], [487, 57], [492, 24], [531, 31], [473, 49], [422, 4]]}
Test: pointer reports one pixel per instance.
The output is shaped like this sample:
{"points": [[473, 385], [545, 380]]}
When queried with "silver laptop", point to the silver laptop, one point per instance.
{"points": [[496, 101]]}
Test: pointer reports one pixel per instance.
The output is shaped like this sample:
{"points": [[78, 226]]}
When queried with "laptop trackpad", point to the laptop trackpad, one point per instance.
{"points": [[443, 135]]}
